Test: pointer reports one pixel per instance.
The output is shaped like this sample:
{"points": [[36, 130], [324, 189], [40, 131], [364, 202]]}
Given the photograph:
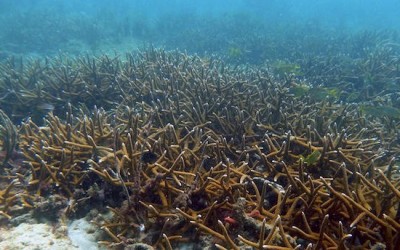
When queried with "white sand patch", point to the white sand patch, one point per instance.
{"points": [[82, 234], [78, 235], [33, 237]]}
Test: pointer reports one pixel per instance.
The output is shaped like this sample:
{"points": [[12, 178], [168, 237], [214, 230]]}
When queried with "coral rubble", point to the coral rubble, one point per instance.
{"points": [[180, 148]]}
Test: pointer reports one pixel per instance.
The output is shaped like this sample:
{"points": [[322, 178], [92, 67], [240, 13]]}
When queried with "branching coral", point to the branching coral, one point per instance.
{"points": [[8, 139], [196, 149]]}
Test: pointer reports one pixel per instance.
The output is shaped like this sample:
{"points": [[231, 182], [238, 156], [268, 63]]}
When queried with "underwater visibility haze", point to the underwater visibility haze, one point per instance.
{"points": [[231, 124]]}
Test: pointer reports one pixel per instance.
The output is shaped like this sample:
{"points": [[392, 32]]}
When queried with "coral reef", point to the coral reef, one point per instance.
{"points": [[8, 135], [365, 60], [179, 147]]}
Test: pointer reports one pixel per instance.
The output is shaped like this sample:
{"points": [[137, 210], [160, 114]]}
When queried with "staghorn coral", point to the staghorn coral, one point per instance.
{"points": [[196, 149], [8, 139]]}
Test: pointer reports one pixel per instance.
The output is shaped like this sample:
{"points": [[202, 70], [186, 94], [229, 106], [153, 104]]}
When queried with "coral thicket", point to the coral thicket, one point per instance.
{"points": [[181, 148]]}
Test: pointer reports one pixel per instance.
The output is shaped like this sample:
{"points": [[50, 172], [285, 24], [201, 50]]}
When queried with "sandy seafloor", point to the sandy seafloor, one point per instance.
{"points": [[32, 235]]}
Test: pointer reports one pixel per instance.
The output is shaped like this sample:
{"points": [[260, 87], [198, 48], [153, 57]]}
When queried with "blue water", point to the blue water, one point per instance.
{"points": [[47, 27]]}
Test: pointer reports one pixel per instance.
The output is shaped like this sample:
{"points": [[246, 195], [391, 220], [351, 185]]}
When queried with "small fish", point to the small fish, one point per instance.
{"points": [[45, 107]]}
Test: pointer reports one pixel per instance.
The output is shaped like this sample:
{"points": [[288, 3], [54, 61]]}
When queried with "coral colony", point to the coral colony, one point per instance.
{"points": [[172, 149]]}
